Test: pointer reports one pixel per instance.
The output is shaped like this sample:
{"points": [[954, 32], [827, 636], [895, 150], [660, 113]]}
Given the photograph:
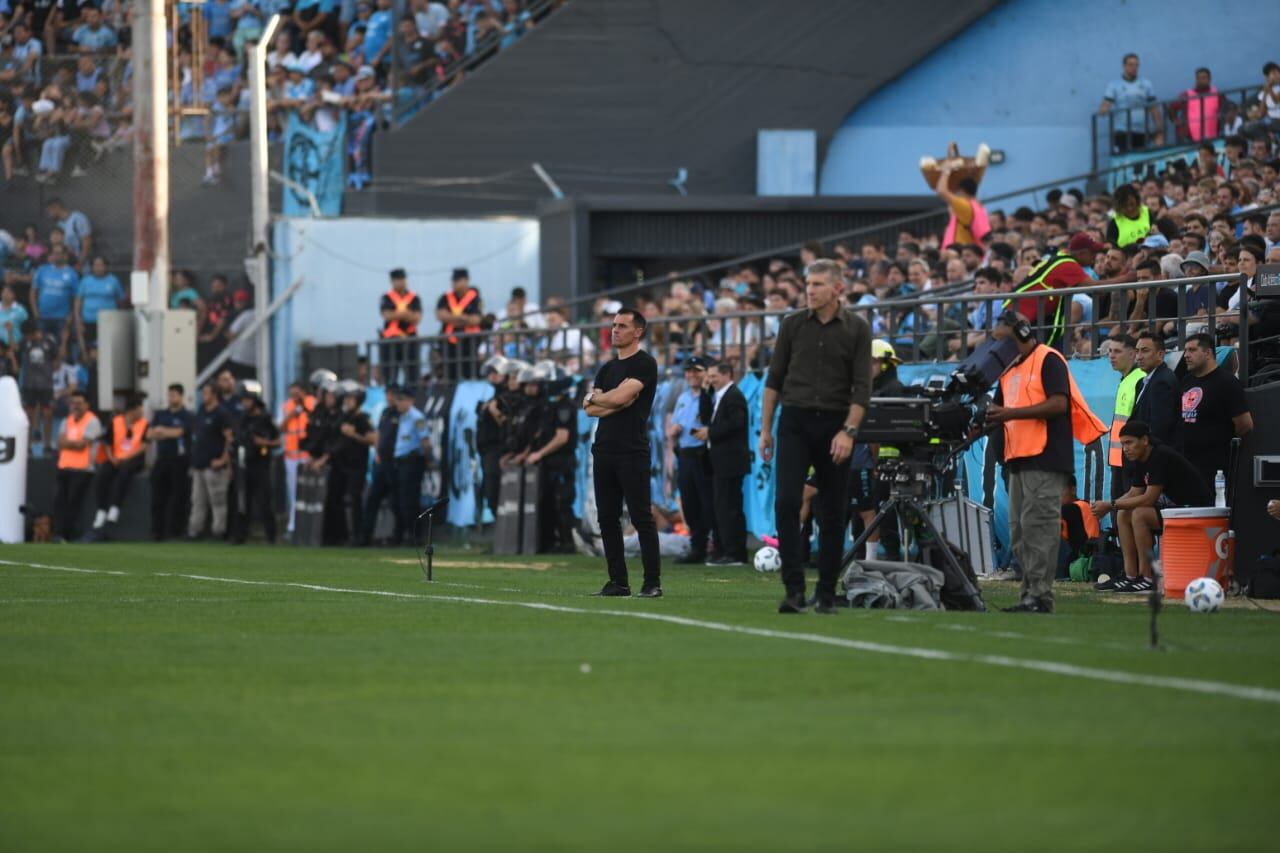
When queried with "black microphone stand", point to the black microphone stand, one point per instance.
{"points": [[429, 548]]}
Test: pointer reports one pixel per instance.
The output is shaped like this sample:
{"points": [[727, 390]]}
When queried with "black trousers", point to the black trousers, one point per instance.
{"points": [[72, 484], [491, 471], [345, 502], [170, 492], [255, 484], [382, 487], [623, 477], [111, 482], [693, 474], [804, 440], [731, 521], [556, 493], [409, 470]]}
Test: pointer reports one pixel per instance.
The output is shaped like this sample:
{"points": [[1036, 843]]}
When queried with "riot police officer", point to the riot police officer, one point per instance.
{"points": [[320, 442], [555, 443], [515, 432], [257, 437], [490, 416], [349, 461]]}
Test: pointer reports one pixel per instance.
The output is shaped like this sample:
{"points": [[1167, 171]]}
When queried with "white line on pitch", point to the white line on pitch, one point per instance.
{"points": [[1187, 685]]}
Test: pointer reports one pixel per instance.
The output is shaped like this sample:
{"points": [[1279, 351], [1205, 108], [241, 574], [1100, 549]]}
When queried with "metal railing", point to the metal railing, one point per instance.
{"points": [[1124, 131], [912, 324]]}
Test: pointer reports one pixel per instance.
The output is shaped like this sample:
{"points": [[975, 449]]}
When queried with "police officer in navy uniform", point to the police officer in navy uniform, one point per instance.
{"points": [[383, 485], [256, 438], [491, 414], [555, 445], [171, 431]]}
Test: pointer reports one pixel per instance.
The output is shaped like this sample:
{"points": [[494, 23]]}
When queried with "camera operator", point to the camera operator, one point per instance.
{"points": [[870, 488], [1038, 408], [821, 372]]}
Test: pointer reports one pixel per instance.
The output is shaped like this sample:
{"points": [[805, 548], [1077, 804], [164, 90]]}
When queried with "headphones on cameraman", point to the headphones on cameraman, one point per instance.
{"points": [[1020, 327]]}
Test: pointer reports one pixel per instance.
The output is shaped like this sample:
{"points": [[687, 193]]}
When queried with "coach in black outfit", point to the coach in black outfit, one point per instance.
{"points": [[725, 413], [622, 397], [821, 372]]}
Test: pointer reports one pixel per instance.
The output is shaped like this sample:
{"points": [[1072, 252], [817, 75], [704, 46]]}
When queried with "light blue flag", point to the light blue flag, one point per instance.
{"points": [[316, 161]]}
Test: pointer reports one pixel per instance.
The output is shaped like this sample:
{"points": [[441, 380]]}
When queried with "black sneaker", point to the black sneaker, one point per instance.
{"points": [[725, 561], [793, 603], [613, 590], [1110, 584], [1136, 586], [826, 606], [1028, 607], [650, 592]]}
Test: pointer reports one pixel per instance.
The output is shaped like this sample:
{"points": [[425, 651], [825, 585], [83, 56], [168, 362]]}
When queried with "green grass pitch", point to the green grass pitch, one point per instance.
{"points": [[153, 710]]}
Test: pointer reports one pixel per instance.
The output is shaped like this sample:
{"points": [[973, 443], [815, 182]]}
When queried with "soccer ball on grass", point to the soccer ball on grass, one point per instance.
{"points": [[1203, 595], [768, 559]]}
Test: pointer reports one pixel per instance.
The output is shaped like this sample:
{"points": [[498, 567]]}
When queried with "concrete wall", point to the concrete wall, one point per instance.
{"points": [[344, 265], [1026, 77]]}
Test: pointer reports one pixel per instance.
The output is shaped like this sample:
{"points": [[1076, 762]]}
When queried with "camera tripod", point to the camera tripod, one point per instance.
{"points": [[909, 481]]}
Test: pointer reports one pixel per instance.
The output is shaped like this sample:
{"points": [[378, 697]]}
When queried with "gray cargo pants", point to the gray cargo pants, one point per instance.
{"points": [[1035, 516]]}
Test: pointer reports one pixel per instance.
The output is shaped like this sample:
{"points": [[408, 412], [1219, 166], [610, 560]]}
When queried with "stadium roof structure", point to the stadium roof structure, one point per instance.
{"points": [[614, 96]]}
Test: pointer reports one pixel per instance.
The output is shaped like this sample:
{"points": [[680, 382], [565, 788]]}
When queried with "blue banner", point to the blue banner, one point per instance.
{"points": [[464, 459], [315, 161]]}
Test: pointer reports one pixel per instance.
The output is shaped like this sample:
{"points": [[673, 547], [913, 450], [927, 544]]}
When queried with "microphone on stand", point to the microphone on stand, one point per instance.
{"points": [[428, 549]]}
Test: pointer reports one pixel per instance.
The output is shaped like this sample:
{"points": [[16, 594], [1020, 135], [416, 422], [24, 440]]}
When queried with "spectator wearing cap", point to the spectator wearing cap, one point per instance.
{"points": [[1060, 271], [459, 309], [1130, 98], [401, 312], [692, 464]]}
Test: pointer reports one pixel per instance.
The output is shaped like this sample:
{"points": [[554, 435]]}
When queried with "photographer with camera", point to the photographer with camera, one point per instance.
{"points": [[1038, 409]]}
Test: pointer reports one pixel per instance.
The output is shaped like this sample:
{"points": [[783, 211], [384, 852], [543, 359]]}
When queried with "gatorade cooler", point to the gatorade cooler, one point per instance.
{"points": [[1197, 542]]}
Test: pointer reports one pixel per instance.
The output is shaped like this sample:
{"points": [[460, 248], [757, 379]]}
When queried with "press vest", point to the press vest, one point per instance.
{"points": [[1036, 282], [1091, 528], [1022, 385], [1126, 396], [124, 438], [458, 307], [394, 328], [295, 426], [82, 459], [1129, 231]]}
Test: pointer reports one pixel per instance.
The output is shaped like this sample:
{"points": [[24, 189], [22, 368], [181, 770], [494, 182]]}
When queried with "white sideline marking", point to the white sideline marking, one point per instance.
{"points": [[62, 568], [1189, 685]]}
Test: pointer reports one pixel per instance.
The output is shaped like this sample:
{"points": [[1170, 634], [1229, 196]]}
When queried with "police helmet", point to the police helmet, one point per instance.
{"points": [[351, 388], [496, 364], [250, 389], [513, 366], [528, 374], [320, 377]]}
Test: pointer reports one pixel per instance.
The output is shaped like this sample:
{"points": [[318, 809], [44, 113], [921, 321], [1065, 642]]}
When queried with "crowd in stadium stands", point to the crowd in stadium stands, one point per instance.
{"points": [[66, 71]]}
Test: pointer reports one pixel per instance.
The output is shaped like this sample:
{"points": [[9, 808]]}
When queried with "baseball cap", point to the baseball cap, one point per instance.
{"points": [[366, 72], [1083, 242], [695, 362], [1156, 241], [613, 306], [241, 295], [882, 350]]}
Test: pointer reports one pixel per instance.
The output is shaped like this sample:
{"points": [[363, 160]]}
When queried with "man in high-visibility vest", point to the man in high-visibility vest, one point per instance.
{"points": [[1131, 222], [1059, 271], [1122, 353], [459, 310], [126, 455], [293, 429], [1079, 527], [401, 312], [80, 431], [1038, 411]]}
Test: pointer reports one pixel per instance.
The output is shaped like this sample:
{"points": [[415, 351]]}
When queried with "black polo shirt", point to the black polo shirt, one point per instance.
{"points": [[173, 448]]}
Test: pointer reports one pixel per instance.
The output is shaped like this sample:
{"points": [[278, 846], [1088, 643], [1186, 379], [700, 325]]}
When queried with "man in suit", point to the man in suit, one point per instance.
{"points": [[725, 413], [1158, 403]]}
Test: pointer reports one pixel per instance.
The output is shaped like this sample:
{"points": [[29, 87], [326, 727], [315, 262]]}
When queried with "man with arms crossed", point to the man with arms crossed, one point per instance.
{"points": [[821, 372], [622, 397]]}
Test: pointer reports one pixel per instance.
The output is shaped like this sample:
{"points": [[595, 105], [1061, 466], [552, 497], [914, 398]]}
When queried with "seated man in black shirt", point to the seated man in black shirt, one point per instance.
{"points": [[1162, 478]]}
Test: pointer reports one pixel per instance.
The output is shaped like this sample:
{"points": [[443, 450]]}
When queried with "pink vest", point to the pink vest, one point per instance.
{"points": [[980, 227], [1198, 126]]}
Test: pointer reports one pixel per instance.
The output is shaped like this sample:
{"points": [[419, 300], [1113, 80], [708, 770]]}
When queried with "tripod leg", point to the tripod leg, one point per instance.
{"points": [[852, 554], [969, 588]]}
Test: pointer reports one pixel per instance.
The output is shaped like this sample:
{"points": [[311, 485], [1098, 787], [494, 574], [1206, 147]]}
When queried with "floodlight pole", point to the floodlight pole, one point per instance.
{"points": [[151, 152], [259, 258]]}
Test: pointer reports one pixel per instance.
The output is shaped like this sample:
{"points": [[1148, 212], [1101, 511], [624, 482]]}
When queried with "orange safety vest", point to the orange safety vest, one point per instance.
{"points": [[1022, 385], [1091, 528], [125, 439], [295, 426], [458, 307], [82, 459], [402, 301]]}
